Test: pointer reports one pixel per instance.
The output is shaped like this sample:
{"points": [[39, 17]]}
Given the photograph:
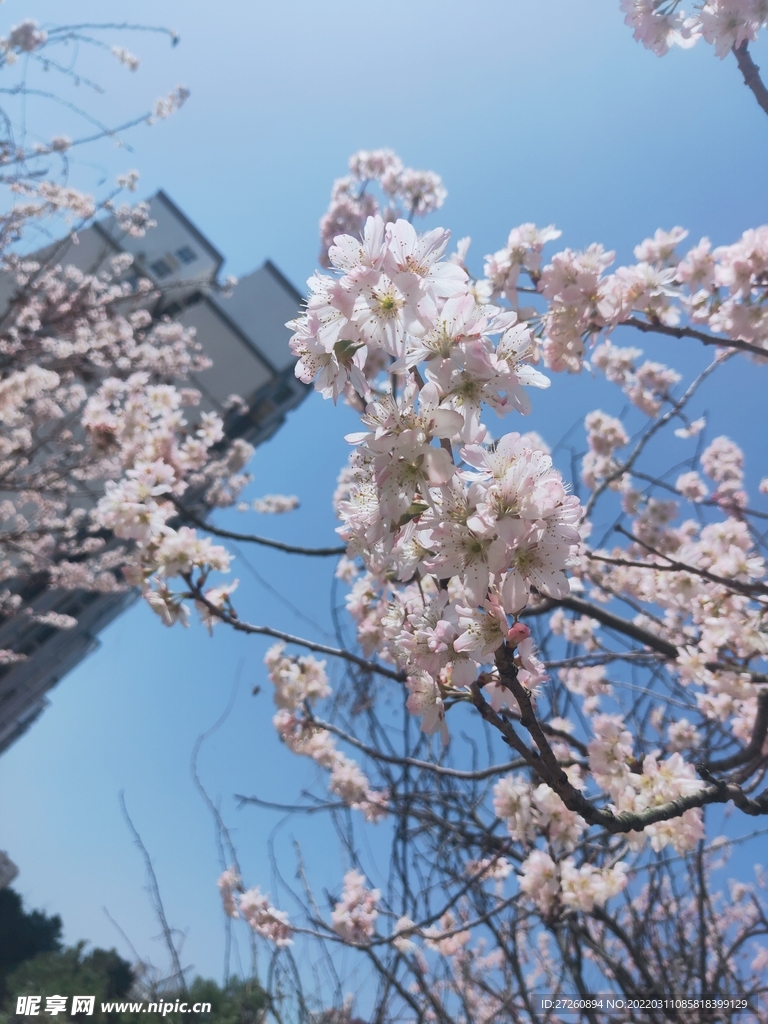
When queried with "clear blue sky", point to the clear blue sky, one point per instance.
{"points": [[544, 111]]}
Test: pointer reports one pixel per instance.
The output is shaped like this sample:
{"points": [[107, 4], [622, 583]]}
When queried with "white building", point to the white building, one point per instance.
{"points": [[244, 336]]}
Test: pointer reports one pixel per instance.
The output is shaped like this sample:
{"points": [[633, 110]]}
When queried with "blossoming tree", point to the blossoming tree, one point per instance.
{"points": [[626, 677], [600, 642], [91, 381]]}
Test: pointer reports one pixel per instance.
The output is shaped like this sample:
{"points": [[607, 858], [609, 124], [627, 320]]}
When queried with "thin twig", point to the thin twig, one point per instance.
{"points": [[412, 762], [247, 627], [748, 589], [154, 891], [250, 538]]}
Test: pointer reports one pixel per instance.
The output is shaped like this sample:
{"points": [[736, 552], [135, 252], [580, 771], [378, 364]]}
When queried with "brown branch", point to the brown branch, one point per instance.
{"points": [[608, 619], [748, 589], [413, 762], [754, 747], [691, 332], [231, 619], [726, 666], [249, 538], [751, 74], [558, 734], [592, 658], [504, 726], [508, 678], [549, 770]]}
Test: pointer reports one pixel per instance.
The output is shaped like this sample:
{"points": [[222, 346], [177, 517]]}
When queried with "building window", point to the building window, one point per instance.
{"points": [[160, 268], [186, 255]]}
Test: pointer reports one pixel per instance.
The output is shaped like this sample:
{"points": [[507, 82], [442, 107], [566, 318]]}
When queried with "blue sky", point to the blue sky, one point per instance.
{"points": [[543, 111]]}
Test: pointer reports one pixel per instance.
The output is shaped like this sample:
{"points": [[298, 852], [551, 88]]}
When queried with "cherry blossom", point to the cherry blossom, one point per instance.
{"points": [[725, 24], [271, 924], [354, 916]]}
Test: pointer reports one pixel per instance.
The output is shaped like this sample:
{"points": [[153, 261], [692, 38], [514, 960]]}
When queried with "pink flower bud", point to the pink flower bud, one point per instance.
{"points": [[517, 633]]}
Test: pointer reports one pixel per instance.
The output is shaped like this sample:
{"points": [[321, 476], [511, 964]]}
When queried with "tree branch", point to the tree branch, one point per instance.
{"points": [[691, 332], [751, 73], [246, 627], [754, 747], [249, 538], [157, 902], [748, 589], [576, 604], [549, 770], [413, 762]]}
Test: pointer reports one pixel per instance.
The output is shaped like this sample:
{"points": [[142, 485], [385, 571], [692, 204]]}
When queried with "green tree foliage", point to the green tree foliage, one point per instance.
{"points": [[105, 975], [33, 962], [237, 1002], [70, 972], [23, 934]]}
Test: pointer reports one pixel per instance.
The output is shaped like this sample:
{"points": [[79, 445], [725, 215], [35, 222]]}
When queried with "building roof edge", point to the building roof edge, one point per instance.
{"points": [[163, 196], [283, 280]]}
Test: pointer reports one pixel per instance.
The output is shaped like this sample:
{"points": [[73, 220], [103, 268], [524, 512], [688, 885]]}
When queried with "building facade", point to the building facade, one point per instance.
{"points": [[243, 334]]}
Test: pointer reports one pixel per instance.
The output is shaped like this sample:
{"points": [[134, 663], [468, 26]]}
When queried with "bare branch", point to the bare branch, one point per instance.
{"points": [[608, 619], [246, 627], [691, 332], [413, 762], [289, 808], [154, 891], [250, 538], [756, 740], [751, 73]]}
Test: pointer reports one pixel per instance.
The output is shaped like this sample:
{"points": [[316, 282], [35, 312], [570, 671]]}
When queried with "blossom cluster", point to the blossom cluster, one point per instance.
{"points": [[274, 504], [400, 330], [531, 811], [354, 916], [25, 37], [167, 105], [130, 60], [405, 193], [724, 24], [549, 883], [157, 457], [300, 682], [453, 537], [89, 370], [636, 788], [720, 288], [296, 679], [254, 908]]}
